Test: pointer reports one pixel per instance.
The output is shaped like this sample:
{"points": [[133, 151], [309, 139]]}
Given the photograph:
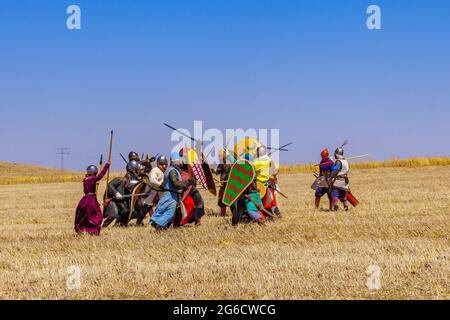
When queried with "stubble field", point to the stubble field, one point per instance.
{"points": [[402, 226]]}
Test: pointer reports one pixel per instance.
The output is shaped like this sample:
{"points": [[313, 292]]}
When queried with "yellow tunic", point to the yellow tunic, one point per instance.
{"points": [[264, 168]]}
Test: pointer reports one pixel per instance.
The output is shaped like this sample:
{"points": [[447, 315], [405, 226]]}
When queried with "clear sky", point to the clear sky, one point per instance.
{"points": [[310, 68]]}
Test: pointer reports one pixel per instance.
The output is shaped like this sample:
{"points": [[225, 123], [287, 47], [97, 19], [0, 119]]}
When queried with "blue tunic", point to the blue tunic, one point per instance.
{"points": [[165, 210]]}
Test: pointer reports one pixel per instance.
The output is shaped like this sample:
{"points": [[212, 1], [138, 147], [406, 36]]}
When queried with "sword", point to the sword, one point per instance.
{"points": [[136, 195]]}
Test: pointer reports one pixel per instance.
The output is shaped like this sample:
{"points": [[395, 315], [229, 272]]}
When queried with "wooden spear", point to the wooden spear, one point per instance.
{"points": [[109, 159]]}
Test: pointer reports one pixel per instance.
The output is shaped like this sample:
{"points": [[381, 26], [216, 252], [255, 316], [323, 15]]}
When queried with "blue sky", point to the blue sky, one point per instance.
{"points": [[310, 68]]}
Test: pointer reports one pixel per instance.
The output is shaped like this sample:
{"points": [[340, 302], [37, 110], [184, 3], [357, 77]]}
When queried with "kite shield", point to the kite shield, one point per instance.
{"points": [[320, 182], [241, 176], [201, 171], [210, 183]]}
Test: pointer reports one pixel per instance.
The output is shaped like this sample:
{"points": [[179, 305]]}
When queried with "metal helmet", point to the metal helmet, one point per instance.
{"points": [[261, 151], [339, 152], [92, 170], [133, 165], [133, 156], [162, 160]]}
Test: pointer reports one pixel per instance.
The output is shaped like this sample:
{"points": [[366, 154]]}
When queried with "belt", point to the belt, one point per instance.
{"points": [[91, 194]]}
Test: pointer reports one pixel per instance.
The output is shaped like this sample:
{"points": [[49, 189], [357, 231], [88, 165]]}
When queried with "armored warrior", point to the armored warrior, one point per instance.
{"points": [[247, 207], [266, 174], [145, 165], [174, 186], [88, 217], [193, 200], [154, 188], [339, 182], [118, 206], [223, 170], [133, 156], [321, 184]]}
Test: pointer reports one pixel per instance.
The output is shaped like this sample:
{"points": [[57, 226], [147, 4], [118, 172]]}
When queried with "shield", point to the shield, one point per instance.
{"points": [[352, 199], [262, 189], [241, 176], [184, 177], [138, 188], [320, 182], [246, 146], [210, 183], [201, 171]]}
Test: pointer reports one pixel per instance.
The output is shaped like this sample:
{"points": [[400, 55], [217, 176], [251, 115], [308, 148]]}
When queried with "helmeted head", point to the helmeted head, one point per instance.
{"points": [[261, 151], [133, 156], [175, 159], [162, 163], [91, 170], [324, 153], [339, 153], [133, 166]]}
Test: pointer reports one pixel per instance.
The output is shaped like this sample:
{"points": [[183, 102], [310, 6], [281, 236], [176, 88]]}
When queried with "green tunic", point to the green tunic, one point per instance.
{"points": [[250, 206]]}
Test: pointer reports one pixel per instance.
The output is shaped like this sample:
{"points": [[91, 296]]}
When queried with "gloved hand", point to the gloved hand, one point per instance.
{"points": [[118, 196]]}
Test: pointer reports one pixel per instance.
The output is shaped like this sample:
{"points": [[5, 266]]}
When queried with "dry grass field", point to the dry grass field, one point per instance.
{"points": [[402, 226]]}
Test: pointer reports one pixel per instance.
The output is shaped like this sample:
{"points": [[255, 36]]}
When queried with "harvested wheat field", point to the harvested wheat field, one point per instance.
{"points": [[402, 226]]}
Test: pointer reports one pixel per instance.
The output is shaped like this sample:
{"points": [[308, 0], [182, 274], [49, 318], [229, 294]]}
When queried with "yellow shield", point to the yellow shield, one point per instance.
{"points": [[246, 146]]}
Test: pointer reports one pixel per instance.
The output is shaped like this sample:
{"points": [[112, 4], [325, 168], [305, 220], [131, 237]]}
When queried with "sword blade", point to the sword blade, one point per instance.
{"points": [[136, 195]]}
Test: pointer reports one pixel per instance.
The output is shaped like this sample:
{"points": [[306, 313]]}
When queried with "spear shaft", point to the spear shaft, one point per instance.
{"points": [[109, 160]]}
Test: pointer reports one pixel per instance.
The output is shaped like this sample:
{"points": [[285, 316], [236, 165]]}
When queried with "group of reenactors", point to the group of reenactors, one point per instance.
{"points": [[333, 181], [166, 190]]}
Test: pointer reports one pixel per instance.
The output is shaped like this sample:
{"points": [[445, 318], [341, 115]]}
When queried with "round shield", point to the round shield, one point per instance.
{"points": [[138, 188], [245, 148], [262, 189]]}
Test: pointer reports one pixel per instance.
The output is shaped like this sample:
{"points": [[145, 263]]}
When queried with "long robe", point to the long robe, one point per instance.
{"points": [[88, 216], [167, 205]]}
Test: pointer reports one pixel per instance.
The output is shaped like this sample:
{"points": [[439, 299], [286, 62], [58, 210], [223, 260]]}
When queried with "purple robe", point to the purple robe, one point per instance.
{"points": [[88, 217]]}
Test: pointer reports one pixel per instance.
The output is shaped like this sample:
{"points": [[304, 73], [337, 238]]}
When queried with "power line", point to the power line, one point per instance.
{"points": [[62, 152]]}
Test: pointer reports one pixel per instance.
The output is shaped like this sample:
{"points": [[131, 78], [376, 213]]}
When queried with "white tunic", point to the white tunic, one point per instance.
{"points": [[341, 181], [156, 178]]}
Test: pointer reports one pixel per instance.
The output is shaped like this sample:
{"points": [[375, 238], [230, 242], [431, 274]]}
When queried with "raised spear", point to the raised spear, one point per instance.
{"points": [[100, 168], [110, 161]]}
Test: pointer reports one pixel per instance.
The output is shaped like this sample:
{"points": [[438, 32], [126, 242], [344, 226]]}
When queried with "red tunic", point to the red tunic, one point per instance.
{"points": [[88, 217]]}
